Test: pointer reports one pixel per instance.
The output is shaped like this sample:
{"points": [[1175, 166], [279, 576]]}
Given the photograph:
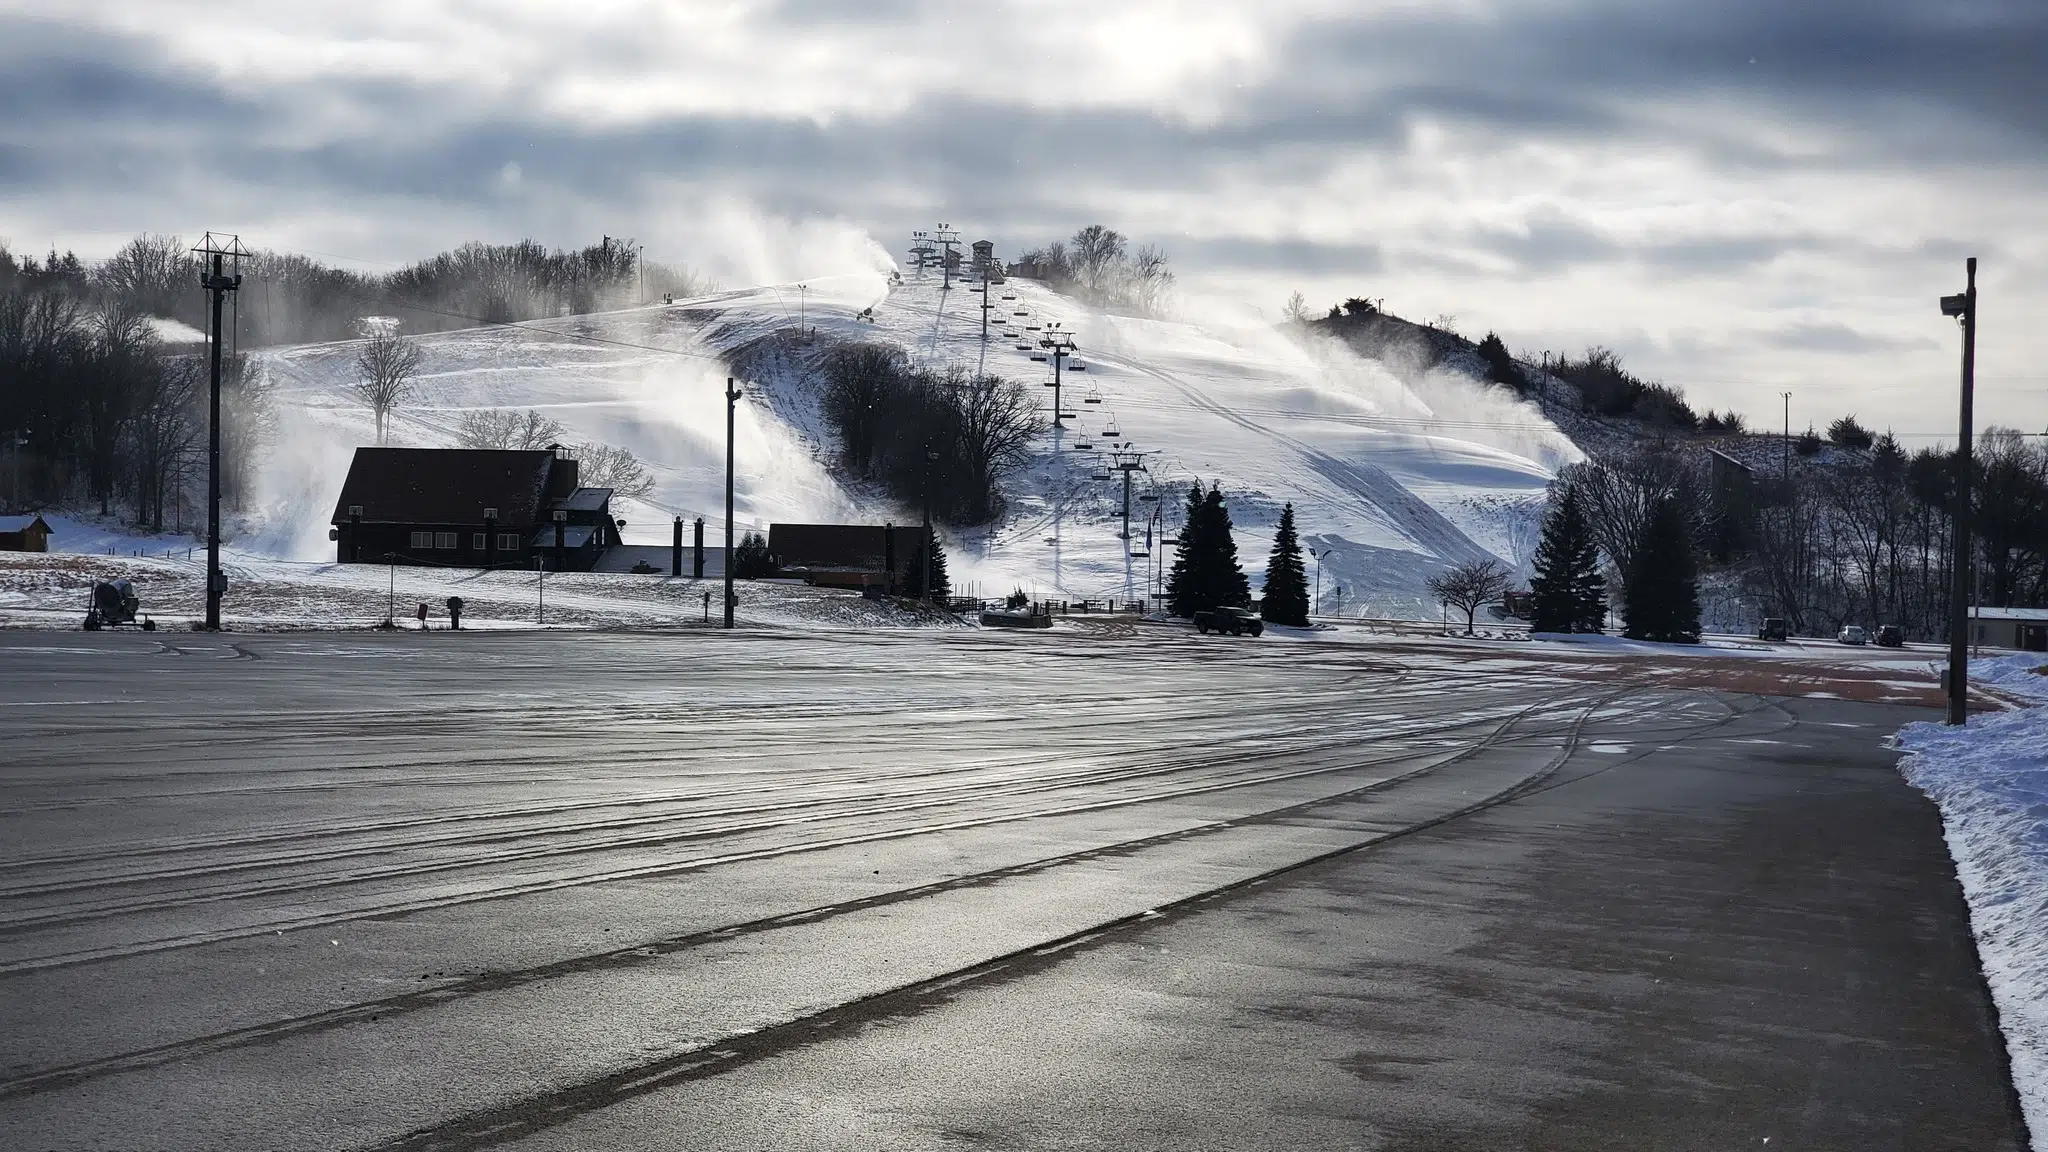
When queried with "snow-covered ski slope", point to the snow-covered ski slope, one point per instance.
{"points": [[1392, 478]]}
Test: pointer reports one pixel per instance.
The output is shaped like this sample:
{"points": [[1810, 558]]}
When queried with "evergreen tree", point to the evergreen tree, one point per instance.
{"points": [[1662, 599], [1182, 599], [1285, 599], [912, 582], [1205, 573], [1500, 366], [1568, 593]]}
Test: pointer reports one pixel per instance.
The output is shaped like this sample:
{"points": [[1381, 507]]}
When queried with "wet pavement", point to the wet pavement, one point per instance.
{"points": [[782, 890]]}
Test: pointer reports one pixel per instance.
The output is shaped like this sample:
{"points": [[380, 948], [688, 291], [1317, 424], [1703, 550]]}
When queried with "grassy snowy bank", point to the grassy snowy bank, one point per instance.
{"points": [[1991, 780], [50, 591]]}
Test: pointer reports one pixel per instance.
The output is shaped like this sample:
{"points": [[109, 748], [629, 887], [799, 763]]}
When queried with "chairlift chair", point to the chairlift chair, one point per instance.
{"points": [[1038, 359], [1020, 312], [1070, 416], [1084, 445], [1139, 553], [1077, 367], [1009, 295]]}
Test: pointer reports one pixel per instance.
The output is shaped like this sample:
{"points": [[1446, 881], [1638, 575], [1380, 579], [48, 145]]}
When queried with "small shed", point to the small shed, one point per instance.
{"points": [[2022, 629], [30, 533]]}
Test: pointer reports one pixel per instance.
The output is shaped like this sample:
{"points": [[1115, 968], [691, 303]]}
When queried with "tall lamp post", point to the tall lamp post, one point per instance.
{"points": [[732, 398], [1319, 578], [1963, 308]]}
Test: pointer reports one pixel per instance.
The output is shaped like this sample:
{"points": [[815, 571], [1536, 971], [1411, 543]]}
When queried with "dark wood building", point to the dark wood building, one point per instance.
{"points": [[847, 555], [471, 508], [29, 533]]}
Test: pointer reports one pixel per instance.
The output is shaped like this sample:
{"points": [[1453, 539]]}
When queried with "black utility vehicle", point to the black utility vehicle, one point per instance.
{"points": [[1890, 636], [1236, 621], [1774, 628]]}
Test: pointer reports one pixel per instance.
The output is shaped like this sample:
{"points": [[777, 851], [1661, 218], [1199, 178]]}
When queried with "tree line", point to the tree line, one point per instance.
{"points": [[100, 410], [948, 435], [1856, 536], [1099, 265]]}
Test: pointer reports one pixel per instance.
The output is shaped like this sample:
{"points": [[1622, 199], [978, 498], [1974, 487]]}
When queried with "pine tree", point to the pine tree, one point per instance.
{"points": [[913, 577], [1285, 598], [1226, 579], [1182, 599], [1205, 572], [1661, 601], [1568, 593]]}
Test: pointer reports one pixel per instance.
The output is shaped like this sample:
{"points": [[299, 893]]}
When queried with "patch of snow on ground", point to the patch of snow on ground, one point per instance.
{"points": [[1990, 779]]}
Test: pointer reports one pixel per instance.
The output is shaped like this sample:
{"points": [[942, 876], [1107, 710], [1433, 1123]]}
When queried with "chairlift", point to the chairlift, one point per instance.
{"points": [[1031, 328], [1102, 475], [1070, 416], [1149, 498], [1038, 359], [1139, 553], [1093, 397], [1170, 541], [1009, 295], [1110, 433], [1084, 445], [1020, 312], [1077, 367], [974, 289], [1026, 348]]}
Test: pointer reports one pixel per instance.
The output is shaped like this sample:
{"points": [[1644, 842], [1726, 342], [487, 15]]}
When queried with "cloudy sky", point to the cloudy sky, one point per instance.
{"points": [[1744, 196]]}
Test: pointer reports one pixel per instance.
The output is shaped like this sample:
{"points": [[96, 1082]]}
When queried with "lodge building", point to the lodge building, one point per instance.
{"points": [[471, 508]]}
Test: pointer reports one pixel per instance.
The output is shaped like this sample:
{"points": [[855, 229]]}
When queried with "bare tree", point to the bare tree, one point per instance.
{"points": [[150, 274], [167, 430], [1151, 279], [1097, 251], [995, 421], [1471, 586], [1620, 493], [387, 367], [606, 466], [1296, 310], [859, 380], [248, 425], [503, 428]]}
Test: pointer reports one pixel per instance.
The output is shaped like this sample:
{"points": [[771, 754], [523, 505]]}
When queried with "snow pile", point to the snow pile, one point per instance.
{"points": [[2020, 675], [1991, 781]]}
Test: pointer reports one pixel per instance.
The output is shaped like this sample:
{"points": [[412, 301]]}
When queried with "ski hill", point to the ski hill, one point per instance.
{"points": [[1393, 474]]}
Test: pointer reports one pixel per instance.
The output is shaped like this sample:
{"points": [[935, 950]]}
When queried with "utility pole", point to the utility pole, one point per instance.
{"points": [[1964, 309], [1058, 345], [986, 307], [1787, 471], [218, 283], [732, 397], [803, 307]]}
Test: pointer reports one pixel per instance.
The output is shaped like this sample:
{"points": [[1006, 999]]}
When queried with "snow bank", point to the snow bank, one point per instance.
{"points": [[1991, 781]]}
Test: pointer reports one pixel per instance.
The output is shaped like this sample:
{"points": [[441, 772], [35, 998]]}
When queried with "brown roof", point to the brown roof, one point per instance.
{"points": [[445, 485], [858, 547]]}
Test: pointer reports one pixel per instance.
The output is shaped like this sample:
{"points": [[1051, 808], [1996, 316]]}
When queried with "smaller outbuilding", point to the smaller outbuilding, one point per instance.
{"points": [[30, 533], [863, 556], [2022, 629]]}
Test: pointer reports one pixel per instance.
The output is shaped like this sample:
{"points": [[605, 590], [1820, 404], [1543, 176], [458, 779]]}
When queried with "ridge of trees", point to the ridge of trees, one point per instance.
{"points": [[1098, 265]]}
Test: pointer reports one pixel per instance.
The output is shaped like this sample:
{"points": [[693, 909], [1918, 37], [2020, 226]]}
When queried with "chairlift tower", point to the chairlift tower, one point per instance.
{"points": [[218, 278], [921, 249], [948, 237], [1058, 344]]}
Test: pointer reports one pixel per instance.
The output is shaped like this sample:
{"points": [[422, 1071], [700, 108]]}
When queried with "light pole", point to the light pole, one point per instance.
{"points": [[1964, 308], [1319, 578], [1786, 472], [732, 397], [925, 546]]}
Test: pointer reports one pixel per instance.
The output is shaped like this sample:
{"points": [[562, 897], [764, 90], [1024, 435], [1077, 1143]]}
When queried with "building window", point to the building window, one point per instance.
{"points": [[509, 541], [423, 540], [445, 541], [476, 542]]}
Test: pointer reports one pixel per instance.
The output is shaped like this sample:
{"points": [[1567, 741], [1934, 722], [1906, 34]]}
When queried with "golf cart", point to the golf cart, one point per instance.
{"points": [[114, 603]]}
